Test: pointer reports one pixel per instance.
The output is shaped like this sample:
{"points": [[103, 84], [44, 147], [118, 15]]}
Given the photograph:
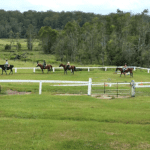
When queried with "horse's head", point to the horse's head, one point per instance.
{"points": [[60, 65], [37, 64]]}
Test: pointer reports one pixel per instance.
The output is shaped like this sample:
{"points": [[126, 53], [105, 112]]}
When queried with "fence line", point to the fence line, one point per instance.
{"points": [[80, 83], [88, 68], [48, 81]]}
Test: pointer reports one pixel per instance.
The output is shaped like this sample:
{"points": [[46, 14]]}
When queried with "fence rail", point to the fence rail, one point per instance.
{"points": [[47, 81], [88, 68], [80, 83]]}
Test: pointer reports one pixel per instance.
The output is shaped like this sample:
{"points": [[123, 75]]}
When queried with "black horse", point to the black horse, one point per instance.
{"points": [[10, 67]]}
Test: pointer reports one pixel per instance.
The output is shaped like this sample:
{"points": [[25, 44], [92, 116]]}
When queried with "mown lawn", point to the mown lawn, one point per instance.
{"points": [[73, 122]]}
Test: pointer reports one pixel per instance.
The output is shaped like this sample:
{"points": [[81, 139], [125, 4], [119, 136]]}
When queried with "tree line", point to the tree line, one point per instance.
{"points": [[112, 39]]}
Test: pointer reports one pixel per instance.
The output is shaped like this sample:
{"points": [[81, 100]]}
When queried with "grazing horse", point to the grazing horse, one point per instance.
{"points": [[48, 67], [127, 70], [9, 67], [73, 68]]}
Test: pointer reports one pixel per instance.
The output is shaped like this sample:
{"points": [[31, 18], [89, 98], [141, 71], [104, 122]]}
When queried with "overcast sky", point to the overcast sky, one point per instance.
{"points": [[102, 7]]}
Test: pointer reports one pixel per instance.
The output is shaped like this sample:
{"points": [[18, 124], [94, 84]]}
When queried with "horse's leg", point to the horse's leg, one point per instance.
{"points": [[131, 74], [6, 72], [2, 71], [124, 74], [42, 71]]}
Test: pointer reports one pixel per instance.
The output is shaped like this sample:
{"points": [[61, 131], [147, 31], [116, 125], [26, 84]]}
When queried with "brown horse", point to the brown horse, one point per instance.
{"points": [[73, 68], [48, 67], [127, 70]]}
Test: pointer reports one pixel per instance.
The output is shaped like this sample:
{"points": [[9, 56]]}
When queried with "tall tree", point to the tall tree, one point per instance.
{"points": [[48, 37]]}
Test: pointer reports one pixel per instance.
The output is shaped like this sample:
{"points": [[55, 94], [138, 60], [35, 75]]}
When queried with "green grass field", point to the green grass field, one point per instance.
{"points": [[73, 122], [50, 121]]}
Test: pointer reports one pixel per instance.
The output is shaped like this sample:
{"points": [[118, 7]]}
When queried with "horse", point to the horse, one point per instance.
{"points": [[48, 67], [9, 67], [73, 68], [126, 71]]}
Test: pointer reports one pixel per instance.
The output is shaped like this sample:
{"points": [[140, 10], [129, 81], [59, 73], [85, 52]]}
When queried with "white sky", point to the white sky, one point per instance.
{"points": [[102, 7]]}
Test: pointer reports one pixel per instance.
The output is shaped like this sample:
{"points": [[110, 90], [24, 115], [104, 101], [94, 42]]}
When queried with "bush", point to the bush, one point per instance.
{"points": [[7, 47], [19, 46]]}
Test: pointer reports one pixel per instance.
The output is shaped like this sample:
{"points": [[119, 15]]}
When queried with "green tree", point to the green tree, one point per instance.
{"points": [[31, 34], [48, 37]]}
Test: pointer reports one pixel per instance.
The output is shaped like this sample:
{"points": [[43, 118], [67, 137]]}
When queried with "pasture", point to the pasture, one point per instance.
{"points": [[60, 122]]}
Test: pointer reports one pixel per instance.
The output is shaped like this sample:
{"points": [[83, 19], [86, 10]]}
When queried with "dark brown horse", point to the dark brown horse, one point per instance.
{"points": [[48, 67], [9, 67], [126, 71], [73, 68]]}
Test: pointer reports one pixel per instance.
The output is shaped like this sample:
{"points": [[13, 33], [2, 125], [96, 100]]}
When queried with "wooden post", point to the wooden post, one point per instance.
{"points": [[89, 86], [117, 89], [132, 88], [53, 69], [88, 69], [34, 70], [15, 70], [134, 68], [40, 87]]}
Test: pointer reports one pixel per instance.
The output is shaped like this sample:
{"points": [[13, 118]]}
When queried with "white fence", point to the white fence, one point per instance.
{"points": [[79, 83], [87, 83], [88, 68]]}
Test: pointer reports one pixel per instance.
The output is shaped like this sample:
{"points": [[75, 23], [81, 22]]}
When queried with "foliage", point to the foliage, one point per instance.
{"points": [[112, 39], [48, 37], [19, 46], [7, 47]]}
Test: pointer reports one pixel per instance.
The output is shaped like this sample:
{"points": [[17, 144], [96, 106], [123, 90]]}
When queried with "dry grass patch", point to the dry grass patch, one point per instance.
{"points": [[120, 146]]}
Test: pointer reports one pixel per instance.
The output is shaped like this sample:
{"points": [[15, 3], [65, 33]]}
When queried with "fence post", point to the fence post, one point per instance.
{"points": [[15, 70], [40, 87], [134, 68], [53, 69], [148, 70], [89, 86], [88, 69], [132, 88], [105, 68], [34, 70]]}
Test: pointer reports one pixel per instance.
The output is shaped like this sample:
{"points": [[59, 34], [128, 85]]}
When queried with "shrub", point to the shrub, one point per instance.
{"points": [[19, 46], [7, 47]]}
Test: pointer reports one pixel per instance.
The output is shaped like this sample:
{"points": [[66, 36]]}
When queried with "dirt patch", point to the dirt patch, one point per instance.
{"points": [[11, 92], [105, 96], [71, 94], [102, 96]]}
